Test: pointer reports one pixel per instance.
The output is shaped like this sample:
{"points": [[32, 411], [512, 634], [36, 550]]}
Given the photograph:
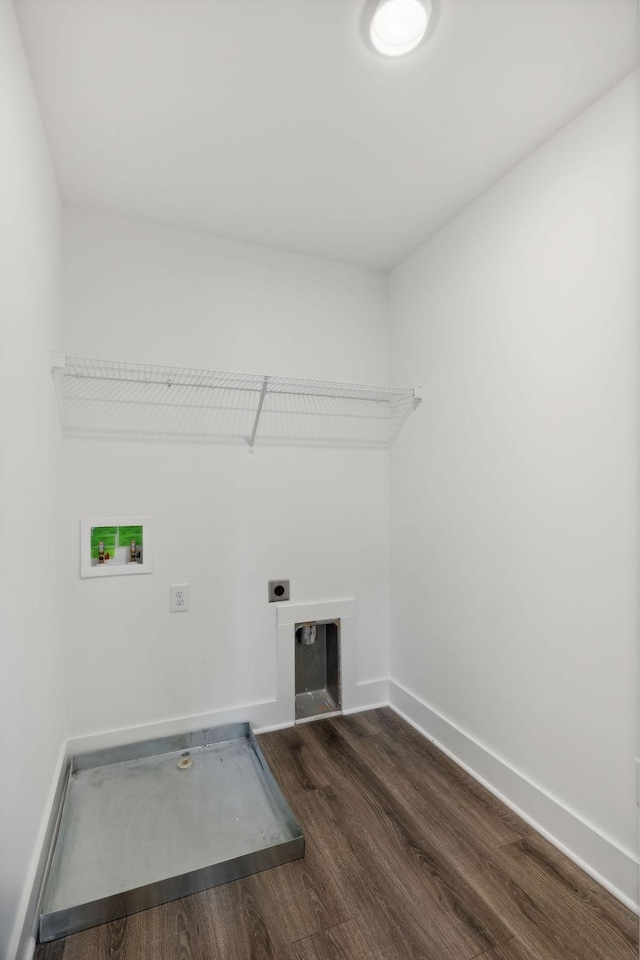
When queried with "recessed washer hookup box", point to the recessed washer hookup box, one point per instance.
{"points": [[150, 822]]}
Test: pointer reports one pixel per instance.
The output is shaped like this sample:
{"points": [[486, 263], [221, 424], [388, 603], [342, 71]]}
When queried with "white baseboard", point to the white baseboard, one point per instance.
{"points": [[599, 856], [366, 696], [262, 716], [23, 943], [370, 695], [272, 727], [368, 706]]}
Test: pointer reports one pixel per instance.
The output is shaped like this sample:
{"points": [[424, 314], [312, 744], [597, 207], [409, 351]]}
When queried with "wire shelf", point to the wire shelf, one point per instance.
{"points": [[114, 398]]}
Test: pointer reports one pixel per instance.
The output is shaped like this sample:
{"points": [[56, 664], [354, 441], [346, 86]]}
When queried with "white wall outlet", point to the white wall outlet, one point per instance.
{"points": [[179, 597]]}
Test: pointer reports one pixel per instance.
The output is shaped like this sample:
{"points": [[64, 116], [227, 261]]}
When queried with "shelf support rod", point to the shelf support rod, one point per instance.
{"points": [[263, 393]]}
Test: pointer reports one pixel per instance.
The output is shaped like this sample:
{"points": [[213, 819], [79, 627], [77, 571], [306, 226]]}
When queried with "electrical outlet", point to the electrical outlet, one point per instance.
{"points": [[179, 597], [278, 590]]}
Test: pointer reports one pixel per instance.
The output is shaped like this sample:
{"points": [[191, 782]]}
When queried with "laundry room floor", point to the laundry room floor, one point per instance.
{"points": [[408, 858]]}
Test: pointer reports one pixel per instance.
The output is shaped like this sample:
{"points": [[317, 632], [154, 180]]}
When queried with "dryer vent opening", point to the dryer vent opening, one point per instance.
{"points": [[317, 653]]}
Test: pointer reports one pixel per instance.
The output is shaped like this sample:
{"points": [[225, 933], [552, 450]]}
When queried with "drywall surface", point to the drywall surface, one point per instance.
{"points": [[514, 489], [31, 704], [225, 521]]}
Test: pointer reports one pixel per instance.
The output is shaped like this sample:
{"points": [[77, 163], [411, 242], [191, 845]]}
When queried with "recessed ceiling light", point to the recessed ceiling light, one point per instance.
{"points": [[398, 26]]}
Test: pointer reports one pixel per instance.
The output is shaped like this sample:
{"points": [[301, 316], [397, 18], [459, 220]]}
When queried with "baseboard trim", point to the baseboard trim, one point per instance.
{"points": [[370, 694], [611, 866], [368, 706], [272, 727], [263, 715], [23, 944]]}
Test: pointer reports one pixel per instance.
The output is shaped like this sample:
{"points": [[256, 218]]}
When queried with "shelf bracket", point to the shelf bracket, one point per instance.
{"points": [[263, 393], [58, 361]]}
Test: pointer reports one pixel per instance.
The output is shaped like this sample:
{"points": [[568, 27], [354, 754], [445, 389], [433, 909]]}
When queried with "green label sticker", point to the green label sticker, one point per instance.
{"points": [[106, 536], [127, 534]]}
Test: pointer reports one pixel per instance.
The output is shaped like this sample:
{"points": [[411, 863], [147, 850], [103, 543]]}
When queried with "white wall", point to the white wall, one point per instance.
{"points": [[514, 489], [225, 521], [31, 703]]}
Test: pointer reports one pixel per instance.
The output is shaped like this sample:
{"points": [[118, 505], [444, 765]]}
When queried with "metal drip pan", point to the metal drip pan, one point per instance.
{"points": [[153, 821]]}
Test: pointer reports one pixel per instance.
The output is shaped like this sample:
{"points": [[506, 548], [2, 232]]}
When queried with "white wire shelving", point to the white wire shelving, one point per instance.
{"points": [[108, 398]]}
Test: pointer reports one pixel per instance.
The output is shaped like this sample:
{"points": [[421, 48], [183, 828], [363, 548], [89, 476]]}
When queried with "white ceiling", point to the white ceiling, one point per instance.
{"points": [[270, 121]]}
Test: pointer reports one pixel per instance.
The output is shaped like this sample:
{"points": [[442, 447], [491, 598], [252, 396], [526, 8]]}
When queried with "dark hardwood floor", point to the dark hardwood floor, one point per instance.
{"points": [[408, 858]]}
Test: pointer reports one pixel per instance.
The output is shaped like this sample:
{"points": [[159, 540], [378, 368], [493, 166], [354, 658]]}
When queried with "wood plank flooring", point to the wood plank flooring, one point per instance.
{"points": [[408, 858]]}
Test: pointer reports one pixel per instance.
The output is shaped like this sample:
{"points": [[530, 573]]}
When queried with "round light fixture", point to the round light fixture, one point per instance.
{"points": [[398, 26]]}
